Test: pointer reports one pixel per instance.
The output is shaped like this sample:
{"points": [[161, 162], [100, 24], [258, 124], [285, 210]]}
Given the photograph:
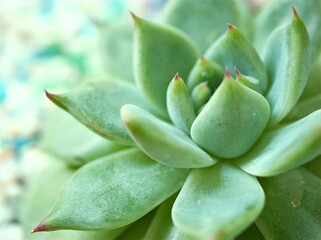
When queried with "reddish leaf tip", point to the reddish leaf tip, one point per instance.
{"points": [[230, 26], [176, 76], [237, 72], [227, 73], [48, 94], [40, 228], [202, 58], [204, 84], [295, 13]]}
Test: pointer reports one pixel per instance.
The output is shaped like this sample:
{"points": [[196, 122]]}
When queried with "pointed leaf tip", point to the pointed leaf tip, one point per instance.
{"points": [[295, 13], [230, 26], [202, 58], [227, 73], [134, 16], [48, 94], [40, 228], [176, 76], [237, 72]]}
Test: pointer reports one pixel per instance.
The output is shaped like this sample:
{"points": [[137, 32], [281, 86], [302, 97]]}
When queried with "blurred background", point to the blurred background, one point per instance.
{"points": [[45, 44]]}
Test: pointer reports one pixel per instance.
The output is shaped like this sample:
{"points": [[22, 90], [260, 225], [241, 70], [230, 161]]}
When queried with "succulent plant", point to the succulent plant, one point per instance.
{"points": [[215, 133]]}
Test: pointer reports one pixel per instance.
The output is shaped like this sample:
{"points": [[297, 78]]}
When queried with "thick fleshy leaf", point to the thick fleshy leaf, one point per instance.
{"points": [[200, 95], [292, 209], [162, 227], [117, 51], [203, 22], [70, 141], [287, 59], [113, 192], [205, 71], [179, 105], [97, 106], [233, 49], [232, 120], [160, 52], [37, 202], [138, 229], [284, 148], [218, 202], [162, 141], [278, 12]]}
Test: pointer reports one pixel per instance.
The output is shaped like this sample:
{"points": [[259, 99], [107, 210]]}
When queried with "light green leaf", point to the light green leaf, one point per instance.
{"points": [[97, 106], [68, 140], [113, 192], [203, 22], [179, 105], [37, 202], [218, 202], [287, 58], [278, 12], [160, 52], [292, 209], [205, 71], [162, 141], [284, 148], [117, 51], [233, 49], [232, 121], [162, 227], [200, 95], [248, 81]]}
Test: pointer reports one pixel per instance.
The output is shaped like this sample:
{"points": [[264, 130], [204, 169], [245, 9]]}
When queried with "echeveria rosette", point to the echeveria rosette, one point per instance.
{"points": [[200, 147]]}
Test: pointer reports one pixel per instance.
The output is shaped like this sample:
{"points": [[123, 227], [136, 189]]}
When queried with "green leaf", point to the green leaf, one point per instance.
{"points": [[113, 192], [76, 146], [52, 176], [251, 233], [233, 49], [292, 209], [97, 106], [160, 52], [162, 227], [117, 51], [248, 81], [203, 22], [287, 58], [218, 202], [179, 105], [232, 121], [200, 95], [205, 71], [284, 148], [162, 141], [277, 13]]}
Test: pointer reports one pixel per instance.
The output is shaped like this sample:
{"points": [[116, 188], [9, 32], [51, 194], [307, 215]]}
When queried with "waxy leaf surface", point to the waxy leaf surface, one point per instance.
{"points": [[284, 148], [162, 141], [218, 202], [287, 59], [233, 49], [97, 106], [179, 105], [292, 209], [113, 192], [232, 120], [204, 22], [160, 52]]}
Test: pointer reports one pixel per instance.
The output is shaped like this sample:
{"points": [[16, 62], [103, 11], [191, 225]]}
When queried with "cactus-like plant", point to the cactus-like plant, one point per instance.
{"points": [[212, 135]]}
